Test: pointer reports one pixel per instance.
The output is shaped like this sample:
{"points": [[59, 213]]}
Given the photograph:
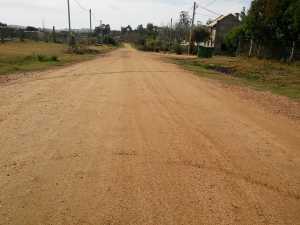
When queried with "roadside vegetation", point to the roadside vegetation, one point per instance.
{"points": [[265, 75], [270, 29], [160, 38], [28, 55], [261, 50], [29, 48]]}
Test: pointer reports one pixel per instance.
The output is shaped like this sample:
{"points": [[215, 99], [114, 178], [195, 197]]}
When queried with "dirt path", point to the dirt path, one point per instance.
{"points": [[128, 139]]}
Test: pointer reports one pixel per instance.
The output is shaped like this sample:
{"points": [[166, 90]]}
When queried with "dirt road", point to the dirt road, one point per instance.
{"points": [[129, 139]]}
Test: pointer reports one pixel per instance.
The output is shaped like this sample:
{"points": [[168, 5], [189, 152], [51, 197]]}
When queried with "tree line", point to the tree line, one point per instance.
{"points": [[101, 34], [269, 29], [173, 37]]}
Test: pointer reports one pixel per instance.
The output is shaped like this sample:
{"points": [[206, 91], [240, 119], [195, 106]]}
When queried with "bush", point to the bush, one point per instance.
{"points": [[232, 39], [109, 40], [81, 50], [178, 49], [42, 58], [151, 44], [54, 58], [165, 46], [45, 58], [141, 41], [72, 41], [200, 34]]}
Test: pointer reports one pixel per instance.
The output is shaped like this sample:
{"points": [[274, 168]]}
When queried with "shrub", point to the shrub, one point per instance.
{"points": [[45, 58], [178, 49], [42, 58], [232, 39], [165, 46], [150, 44], [54, 58], [81, 50], [200, 34], [109, 40], [153, 44], [72, 41]]}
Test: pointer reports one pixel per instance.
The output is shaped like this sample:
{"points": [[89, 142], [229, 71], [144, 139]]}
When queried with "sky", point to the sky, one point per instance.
{"points": [[117, 13]]}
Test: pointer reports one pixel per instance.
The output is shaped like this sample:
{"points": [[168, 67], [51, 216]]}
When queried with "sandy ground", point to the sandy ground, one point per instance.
{"points": [[130, 139]]}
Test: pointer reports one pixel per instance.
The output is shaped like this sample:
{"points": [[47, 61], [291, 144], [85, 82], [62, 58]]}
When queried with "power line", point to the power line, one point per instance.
{"points": [[210, 11], [80, 6], [210, 3], [84, 8], [91, 14]]}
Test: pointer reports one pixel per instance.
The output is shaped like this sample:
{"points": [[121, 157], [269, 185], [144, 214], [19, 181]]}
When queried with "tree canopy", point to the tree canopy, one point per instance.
{"points": [[270, 22], [200, 34]]}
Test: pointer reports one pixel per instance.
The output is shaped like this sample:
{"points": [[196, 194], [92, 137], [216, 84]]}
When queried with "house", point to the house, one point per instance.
{"points": [[219, 28]]}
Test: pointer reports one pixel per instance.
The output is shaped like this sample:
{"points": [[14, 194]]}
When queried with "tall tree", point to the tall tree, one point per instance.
{"points": [[200, 34], [140, 29], [273, 21], [184, 18], [290, 26], [182, 27]]}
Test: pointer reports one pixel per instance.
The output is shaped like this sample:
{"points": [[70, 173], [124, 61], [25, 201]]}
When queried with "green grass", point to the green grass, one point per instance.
{"points": [[30, 56], [263, 75]]}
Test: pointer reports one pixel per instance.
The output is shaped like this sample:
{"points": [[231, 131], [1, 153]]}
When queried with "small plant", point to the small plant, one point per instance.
{"points": [[54, 58], [72, 41], [41, 58], [178, 49], [81, 50], [45, 58], [109, 40], [29, 58]]}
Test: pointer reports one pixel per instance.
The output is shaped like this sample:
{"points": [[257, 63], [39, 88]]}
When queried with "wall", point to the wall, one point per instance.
{"points": [[222, 29]]}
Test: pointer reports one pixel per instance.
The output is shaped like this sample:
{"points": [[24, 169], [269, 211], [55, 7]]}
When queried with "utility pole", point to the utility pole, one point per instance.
{"points": [[171, 32], [90, 20], [53, 34], [43, 24], [69, 17], [192, 27], [90, 35]]}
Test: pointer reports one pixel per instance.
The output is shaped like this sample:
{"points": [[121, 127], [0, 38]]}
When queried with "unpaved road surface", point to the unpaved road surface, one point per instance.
{"points": [[130, 139]]}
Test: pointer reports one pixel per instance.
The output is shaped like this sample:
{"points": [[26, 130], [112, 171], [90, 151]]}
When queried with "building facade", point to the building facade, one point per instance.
{"points": [[219, 28]]}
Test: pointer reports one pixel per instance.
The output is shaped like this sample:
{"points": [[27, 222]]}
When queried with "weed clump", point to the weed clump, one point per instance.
{"points": [[45, 58]]}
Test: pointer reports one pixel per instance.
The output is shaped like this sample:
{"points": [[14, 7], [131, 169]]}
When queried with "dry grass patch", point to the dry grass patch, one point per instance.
{"points": [[29, 56], [277, 77]]}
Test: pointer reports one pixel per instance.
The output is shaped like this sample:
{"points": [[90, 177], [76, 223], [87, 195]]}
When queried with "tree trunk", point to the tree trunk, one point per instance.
{"points": [[251, 48], [2, 35], [238, 50], [258, 50], [2, 40], [54, 34], [292, 52]]}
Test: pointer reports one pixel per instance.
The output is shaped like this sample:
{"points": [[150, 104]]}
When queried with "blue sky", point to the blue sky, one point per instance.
{"points": [[115, 12]]}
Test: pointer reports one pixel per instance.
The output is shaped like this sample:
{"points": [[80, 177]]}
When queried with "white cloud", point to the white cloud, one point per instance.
{"points": [[114, 12]]}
